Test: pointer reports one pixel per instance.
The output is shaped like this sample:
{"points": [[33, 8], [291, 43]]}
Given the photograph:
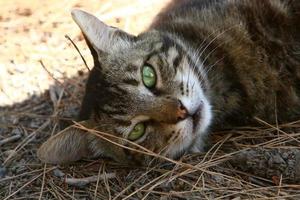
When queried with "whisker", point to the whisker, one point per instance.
{"points": [[188, 80], [205, 59], [211, 66], [216, 37]]}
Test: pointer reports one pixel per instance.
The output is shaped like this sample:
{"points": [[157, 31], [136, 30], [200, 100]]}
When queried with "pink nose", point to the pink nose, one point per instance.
{"points": [[182, 112]]}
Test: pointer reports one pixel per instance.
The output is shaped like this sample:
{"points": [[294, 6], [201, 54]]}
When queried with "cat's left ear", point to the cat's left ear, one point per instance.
{"points": [[102, 37]]}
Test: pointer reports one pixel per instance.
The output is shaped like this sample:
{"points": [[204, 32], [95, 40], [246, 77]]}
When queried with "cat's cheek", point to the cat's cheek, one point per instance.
{"points": [[200, 143], [182, 141], [198, 146], [206, 118]]}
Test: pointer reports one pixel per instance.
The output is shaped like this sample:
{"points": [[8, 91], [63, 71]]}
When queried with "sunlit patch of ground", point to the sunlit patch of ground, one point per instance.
{"points": [[35, 30]]}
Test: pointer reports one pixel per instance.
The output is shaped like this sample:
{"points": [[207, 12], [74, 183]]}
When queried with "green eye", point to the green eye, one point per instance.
{"points": [[149, 76], [137, 132]]}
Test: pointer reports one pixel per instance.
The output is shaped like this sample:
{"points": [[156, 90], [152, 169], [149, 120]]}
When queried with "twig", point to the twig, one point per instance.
{"points": [[97, 184], [52, 76], [80, 182], [56, 188], [10, 139], [49, 73], [105, 180], [131, 184], [276, 128], [43, 182], [26, 141], [28, 183], [19, 175], [66, 36]]}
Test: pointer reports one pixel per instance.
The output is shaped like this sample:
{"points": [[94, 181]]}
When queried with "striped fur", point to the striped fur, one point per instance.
{"points": [[229, 60]]}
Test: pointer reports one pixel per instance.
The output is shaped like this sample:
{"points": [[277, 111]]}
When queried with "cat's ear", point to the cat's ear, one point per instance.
{"points": [[100, 36], [69, 145]]}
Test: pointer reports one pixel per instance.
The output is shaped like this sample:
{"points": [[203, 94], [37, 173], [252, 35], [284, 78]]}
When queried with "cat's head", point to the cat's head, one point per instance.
{"points": [[149, 89]]}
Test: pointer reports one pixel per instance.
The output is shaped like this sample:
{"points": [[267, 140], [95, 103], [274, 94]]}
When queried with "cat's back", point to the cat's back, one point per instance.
{"points": [[218, 13], [198, 21]]}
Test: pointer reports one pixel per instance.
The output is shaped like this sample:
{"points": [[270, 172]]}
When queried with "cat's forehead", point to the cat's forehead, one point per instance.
{"points": [[151, 47], [147, 43], [151, 40]]}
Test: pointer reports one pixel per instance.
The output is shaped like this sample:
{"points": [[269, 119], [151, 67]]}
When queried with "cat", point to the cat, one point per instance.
{"points": [[201, 66]]}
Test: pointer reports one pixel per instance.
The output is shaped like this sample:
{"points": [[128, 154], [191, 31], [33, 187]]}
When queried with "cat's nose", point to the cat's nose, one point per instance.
{"points": [[182, 112]]}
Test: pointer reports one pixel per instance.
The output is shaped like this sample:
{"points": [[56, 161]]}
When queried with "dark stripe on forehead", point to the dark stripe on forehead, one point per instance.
{"points": [[167, 43], [165, 46], [158, 60], [131, 82], [122, 122], [131, 68], [177, 60], [117, 111], [150, 55], [118, 90]]}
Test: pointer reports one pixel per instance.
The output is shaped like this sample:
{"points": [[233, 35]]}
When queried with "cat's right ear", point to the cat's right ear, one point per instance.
{"points": [[100, 36]]}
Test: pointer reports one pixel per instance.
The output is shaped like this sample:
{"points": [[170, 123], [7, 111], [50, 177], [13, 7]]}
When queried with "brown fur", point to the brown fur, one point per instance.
{"points": [[258, 45], [250, 52]]}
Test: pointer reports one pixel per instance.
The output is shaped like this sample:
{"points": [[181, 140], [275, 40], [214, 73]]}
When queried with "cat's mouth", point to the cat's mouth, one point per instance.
{"points": [[196, 118]]}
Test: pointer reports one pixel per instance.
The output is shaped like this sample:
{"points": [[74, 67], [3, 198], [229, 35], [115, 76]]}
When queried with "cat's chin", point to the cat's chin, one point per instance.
{"points": [[193, 131], [196, 120], [202, 119]]}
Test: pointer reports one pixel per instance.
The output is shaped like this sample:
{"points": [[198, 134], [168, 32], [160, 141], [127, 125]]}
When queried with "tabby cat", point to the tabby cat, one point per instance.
{"points": [[202, 65]]}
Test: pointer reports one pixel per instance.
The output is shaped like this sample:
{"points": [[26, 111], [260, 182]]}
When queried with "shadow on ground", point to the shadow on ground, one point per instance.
{"points": [[24, 126]]}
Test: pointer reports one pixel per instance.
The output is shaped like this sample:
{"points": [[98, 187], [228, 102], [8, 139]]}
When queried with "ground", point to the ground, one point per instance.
{"points": [[41, 84]]}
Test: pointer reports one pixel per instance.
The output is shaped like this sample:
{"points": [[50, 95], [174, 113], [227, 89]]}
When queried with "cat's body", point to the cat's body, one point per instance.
{"points": [[202, 63]]}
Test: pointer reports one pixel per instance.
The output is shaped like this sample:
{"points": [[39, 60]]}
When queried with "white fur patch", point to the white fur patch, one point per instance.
{"points": [[172, 54], [192, 98], [182, 141]]}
